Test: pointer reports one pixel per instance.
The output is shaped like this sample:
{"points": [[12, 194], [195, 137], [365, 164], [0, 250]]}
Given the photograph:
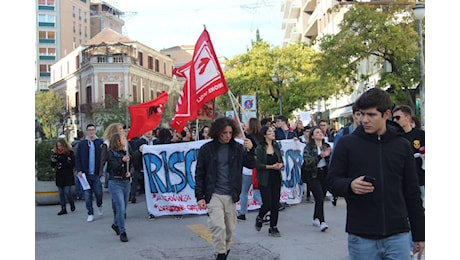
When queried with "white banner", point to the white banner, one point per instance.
{"points": [[169, 177]]}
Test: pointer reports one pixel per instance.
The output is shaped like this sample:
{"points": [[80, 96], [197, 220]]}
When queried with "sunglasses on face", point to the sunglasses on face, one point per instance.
{"points": [[396, 118]]}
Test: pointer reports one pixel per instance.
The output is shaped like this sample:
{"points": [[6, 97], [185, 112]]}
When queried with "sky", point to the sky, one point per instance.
{"points": [[231, 25]]}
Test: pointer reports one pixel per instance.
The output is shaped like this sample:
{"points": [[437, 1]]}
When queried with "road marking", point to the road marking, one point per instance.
{"points": [[202, 231]]}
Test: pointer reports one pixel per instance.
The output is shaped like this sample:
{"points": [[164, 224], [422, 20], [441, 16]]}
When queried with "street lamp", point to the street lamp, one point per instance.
{"points": [[280, 83], [419, 13]]}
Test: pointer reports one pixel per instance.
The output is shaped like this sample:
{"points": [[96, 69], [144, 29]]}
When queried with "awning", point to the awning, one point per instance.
{"points": [[342, 112]]}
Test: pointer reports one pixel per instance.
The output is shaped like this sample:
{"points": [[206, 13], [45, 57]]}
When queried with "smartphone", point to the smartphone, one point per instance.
{"points": [[369, 179]]}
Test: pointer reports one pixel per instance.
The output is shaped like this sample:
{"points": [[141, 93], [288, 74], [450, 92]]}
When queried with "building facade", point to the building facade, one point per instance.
{"points": [[108, 69]]}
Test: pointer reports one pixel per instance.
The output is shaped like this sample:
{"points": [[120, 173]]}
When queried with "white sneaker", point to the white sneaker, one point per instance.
{"points": [[323, 226], [316, 223], [100, 211], [90, 218]]}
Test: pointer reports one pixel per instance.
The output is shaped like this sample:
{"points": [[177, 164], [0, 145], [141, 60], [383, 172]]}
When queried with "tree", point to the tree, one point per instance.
{"points": [[48, 110], [371, 35], [251, 73]]}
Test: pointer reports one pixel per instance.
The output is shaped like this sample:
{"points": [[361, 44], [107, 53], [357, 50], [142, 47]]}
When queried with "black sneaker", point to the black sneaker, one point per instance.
{"points": [[123, 237], [115, 228], [266, 220], [258, 223], [334, 201], [274, 232], [241, 217], [151, 217]]}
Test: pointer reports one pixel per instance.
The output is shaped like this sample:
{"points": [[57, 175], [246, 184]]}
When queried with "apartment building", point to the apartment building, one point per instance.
{"points": [[63, 25], [105, 70], [302, 21]]}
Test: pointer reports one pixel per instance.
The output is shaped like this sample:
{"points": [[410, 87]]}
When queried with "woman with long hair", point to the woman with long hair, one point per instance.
{"points": [[63, 160], [316, 160], [269, 163], [119, 171]]}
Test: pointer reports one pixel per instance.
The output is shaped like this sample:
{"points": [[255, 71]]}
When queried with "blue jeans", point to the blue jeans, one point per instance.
{"points": [[96, 188], [63, 193], [257, 196], [395, 247], [119, 190], [247, 182], [78, 189]]}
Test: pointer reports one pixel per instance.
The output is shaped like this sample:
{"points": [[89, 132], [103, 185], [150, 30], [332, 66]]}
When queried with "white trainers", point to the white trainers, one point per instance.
{"points": [[323, 226], [100, 211], [90, 218], [316, 223]]}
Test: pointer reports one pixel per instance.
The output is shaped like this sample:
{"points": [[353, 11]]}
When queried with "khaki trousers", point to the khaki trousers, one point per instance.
{"points": [[221, 221]]}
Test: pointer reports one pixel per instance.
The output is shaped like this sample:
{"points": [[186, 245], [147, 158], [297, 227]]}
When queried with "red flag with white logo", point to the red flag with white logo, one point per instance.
{"points": [[146, 116], [186, 104], [204, 82], [206, 73]]}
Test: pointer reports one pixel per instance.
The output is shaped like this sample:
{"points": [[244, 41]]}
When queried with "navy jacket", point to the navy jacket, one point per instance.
{"points": [[396, 197], [206, 168], [82, 156]]}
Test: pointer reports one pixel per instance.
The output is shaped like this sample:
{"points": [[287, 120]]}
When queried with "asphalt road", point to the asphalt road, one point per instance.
{"points": [[71, 237]]}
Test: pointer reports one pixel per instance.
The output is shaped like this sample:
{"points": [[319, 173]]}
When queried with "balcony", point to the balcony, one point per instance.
{"points": [[108, 59], [91, 107]]}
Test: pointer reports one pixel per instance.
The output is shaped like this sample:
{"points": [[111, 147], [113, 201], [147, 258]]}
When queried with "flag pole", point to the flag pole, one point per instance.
{"points": [[230, 95], [197, 137]]}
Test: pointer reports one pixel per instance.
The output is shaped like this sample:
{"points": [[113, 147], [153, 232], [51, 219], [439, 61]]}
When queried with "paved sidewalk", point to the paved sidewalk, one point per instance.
{"points": [[71, 237]]}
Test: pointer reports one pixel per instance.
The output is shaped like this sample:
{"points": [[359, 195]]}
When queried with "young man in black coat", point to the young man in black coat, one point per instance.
{"points": [[218, 180], [374, 169]]}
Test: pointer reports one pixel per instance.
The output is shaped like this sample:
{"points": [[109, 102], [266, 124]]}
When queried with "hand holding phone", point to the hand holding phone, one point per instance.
{"points": [[369, 179]]}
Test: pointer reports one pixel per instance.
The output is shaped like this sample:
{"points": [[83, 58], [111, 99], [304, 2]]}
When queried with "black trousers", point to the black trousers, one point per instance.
{"points": [[319, 189], [271, 198]]}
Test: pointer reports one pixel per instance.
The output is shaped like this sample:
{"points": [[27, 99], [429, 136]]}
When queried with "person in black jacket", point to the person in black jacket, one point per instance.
{"points": [[63, 160], [373, 168], [218, 180]]}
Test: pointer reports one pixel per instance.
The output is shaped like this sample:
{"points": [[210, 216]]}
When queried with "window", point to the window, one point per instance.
{"points": [[79, 29], [74, 27], [134, 94], [111, 95], [77, 102], [164, 67], [151, 95], [150, 63], [47, 51], [45, 68], [89, 98], [47, 35], [86, 16], [73, 11], [77, 62], [79, 14], [45, 18], [46, 2], [157, 65], [140, 58]]}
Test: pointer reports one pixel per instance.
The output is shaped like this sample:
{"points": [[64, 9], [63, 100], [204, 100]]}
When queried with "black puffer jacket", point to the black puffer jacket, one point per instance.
{"points": [[389, 159], [206, 169]]}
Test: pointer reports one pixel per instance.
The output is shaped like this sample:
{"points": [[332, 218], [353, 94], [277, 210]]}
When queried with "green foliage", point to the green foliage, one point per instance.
{"points": [[251, 73], [114, 112], [371, 34], [48, 108], [43, 152]]}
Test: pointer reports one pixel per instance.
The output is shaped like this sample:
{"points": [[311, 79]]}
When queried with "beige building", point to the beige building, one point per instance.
{"points": [[108, 69]]}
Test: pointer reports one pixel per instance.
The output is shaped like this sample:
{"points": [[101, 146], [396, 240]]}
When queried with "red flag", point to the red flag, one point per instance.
{"points": [[204, 82], [186, 104], [206, 76], [146, 116]]}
